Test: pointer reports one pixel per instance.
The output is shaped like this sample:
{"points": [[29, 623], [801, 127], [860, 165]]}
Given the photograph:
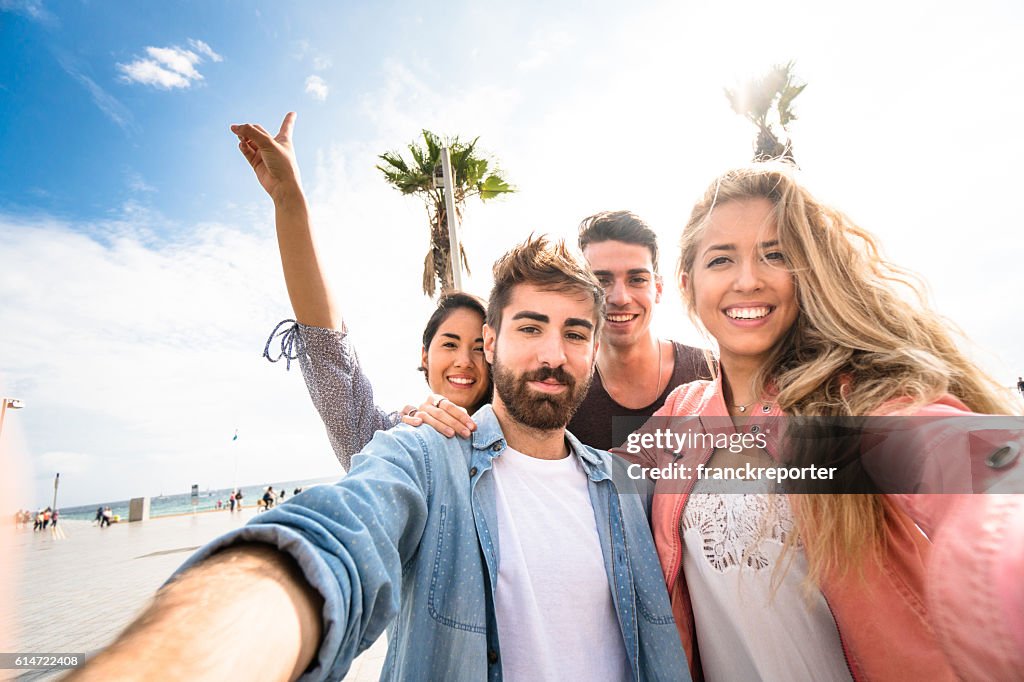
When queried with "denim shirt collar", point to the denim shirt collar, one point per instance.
{"points": [[489, 439]]}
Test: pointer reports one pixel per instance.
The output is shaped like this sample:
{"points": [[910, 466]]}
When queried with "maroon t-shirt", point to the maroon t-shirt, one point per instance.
{"points": [[592, 423]]}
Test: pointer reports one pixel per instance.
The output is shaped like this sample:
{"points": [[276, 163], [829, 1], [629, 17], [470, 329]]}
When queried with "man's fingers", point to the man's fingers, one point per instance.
{"points": [[287, 126]]}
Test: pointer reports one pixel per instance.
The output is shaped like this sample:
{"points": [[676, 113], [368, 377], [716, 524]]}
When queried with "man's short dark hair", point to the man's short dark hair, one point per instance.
{"points": [[619, 226], [547, 266]]}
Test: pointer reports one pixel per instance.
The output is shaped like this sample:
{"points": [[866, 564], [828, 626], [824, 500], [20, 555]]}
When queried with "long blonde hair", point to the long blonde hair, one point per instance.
{"points": [[856, 344]]}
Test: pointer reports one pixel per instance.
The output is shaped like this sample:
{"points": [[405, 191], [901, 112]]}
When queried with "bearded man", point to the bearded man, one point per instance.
{"points": [[510, 554]]}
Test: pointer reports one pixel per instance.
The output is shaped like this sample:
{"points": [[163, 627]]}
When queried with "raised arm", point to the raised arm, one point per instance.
{"points": [[273, 161], [340, 391]]}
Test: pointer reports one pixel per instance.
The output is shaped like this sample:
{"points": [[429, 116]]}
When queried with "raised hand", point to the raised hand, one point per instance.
{"points": [[271, 158]]}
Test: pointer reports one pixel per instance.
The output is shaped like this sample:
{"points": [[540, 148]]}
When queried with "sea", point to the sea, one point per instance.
{"points": [[206, 500]]}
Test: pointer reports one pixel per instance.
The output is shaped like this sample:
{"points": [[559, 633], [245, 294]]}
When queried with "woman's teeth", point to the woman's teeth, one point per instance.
{"points": [[748, 313], [461, 381]]}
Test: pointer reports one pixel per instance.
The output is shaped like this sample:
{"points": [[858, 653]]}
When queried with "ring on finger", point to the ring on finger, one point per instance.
{"points": [[437, 403], [412, 412]]}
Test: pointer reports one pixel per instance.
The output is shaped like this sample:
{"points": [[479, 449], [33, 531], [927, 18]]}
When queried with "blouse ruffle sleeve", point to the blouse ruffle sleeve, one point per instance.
{"points": [[341, 393]]}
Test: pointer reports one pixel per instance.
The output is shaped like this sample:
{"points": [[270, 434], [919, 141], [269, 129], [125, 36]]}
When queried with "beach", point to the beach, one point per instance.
{"points": [[74, 594]]}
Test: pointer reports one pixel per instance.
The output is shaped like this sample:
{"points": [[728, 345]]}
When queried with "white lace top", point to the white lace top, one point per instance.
{"points": [[732, 546]]}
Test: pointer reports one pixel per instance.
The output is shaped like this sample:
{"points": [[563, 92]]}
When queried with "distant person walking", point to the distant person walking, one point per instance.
{"points": [[105, 517], [53, 518], [1020, 386], [99, 515]]}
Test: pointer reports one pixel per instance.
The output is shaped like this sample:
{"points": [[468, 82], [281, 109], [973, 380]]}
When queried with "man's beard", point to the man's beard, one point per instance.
{"points": [[534, 409]]}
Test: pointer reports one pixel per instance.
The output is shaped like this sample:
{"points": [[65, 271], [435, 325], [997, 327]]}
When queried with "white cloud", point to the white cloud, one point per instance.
{"points": [[317, 87], [148, 72], [205, 49], [146, 354], [64, 462], [137, 183], [106, 102], [168, 67], [543, 47], [33, 9], [177, 60]]}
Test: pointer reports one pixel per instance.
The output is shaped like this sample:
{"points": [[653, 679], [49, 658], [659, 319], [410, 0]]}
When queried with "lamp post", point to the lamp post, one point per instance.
{"points": [[444, 179], [5, 403]]}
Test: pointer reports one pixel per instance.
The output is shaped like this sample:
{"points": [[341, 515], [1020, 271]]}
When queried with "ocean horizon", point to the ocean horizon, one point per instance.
{"points": [[169, 505]]}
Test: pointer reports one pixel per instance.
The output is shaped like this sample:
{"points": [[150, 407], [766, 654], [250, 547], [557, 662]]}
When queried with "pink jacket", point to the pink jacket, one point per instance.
{"points": [[929, 610]]}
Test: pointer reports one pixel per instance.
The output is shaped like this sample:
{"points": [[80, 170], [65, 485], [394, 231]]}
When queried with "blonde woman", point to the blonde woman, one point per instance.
{"points": [[808, 322]]}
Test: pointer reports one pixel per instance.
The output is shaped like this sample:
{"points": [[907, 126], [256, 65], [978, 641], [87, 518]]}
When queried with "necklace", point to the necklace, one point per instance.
{"points": [[743, 408], [657, 386]]}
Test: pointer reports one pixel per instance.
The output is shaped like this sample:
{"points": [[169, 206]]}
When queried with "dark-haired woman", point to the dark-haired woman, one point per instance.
{"points": [[452, 353]]}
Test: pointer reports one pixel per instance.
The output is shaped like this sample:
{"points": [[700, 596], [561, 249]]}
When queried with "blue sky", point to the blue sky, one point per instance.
{"points": [[138, 261]]}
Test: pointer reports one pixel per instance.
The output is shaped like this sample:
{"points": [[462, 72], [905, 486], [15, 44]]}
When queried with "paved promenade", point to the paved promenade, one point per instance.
{"points": [[76, 594]]}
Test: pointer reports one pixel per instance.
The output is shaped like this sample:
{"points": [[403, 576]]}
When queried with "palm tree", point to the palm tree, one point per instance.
{"points": [[767, 101], [474, 176]]}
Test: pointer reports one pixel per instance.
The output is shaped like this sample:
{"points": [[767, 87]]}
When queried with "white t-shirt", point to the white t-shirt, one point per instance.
{"points": [[745, 629], [553, 603]]}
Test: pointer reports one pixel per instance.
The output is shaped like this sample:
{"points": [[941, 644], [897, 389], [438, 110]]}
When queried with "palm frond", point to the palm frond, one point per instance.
{"points": [[428, 274], [395, 161], [785, 106], [492, 186], [465, 261]]}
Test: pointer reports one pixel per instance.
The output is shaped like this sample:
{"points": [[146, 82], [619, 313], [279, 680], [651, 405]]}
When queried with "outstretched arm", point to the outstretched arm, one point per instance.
{"points": [[300, 589], [246, 613], [273, 161]]}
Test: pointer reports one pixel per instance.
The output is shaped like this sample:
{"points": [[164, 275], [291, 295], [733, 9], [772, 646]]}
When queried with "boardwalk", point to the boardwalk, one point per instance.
{"points": [[75, 594]]}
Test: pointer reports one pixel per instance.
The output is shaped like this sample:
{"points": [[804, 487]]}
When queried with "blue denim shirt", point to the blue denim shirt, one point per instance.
{"points": [[408, 541]]}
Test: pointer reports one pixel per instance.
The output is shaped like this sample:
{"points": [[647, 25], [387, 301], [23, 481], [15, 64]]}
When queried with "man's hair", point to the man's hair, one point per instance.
{"points": [[619, 226], [547, 266]]}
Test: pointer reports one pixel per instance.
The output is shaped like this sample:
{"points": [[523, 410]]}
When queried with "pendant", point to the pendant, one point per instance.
{"points": [[743, 408]]}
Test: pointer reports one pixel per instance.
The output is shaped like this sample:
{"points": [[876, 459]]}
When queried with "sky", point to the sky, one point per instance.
{"points": [[139, 272]]}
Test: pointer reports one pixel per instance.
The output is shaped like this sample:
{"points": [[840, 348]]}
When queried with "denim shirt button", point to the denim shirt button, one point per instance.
{"points": [[472, 472], [492, 656]]}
